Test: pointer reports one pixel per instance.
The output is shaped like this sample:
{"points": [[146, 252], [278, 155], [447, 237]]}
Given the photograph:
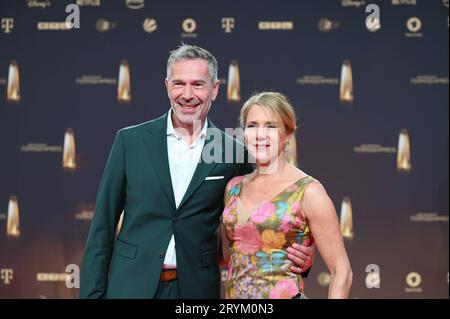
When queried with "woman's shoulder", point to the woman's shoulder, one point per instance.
{"points": [[234, 181], [315, 196], [310, 185]]}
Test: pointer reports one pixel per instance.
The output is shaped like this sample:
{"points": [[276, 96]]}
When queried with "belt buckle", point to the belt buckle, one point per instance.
{"points": [[168, 275]]}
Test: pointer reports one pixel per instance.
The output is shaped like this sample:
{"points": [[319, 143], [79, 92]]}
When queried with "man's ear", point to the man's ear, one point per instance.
{"points": [[215, 90], [166, 82]]}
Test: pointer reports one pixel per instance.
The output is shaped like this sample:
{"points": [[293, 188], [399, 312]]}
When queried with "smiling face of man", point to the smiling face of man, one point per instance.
{"points": [[191, 91]]}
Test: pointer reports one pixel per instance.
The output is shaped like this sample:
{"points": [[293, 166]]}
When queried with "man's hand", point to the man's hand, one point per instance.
{"points": [[302, 257]]}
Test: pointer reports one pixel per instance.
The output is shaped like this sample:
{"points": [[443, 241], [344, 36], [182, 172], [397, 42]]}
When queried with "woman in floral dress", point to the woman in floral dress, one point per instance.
{"points": [[273, 207]]}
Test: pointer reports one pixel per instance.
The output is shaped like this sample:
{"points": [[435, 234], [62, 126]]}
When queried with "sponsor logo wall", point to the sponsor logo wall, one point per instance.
{"points": [[369, 84]]}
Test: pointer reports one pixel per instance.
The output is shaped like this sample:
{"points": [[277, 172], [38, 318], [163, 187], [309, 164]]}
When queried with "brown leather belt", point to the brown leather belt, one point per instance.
{"points": [[168, 275]]}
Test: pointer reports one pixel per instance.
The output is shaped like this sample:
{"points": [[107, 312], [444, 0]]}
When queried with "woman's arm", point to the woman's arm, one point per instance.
{"points": [[224, 245], [324, 225]]}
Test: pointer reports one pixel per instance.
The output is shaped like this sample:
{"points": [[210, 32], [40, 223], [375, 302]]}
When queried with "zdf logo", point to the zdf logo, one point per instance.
{"points": [[373, 23], [373, 276]]}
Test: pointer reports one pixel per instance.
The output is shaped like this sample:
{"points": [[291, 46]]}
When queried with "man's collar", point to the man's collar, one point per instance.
{"points": [[171, 130]]}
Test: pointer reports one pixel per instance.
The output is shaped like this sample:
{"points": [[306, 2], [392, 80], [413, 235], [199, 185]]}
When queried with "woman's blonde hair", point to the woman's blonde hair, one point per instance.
{"points": [[278, 104]]}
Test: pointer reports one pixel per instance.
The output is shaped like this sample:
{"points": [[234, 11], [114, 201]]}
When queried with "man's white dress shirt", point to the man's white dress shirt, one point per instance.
{"points": [[183, 160]]}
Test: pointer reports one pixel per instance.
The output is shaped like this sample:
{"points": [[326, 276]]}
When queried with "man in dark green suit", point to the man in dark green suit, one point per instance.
{"points": [[168, 176]]}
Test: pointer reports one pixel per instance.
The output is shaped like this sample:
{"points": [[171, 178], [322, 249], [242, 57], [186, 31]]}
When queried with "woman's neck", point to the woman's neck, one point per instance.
{"points": [[276, 168]]}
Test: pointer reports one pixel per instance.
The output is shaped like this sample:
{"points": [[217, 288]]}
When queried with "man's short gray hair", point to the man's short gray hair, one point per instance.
{"points": [[192, 52]]}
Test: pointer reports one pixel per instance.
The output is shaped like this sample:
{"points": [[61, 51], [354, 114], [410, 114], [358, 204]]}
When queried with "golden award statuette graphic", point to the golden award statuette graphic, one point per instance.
{"points": [[69, 151], [234, 84], [13, 223], [403, 152], [346, 218], [124, 83], [346, 87], [13, 87]]}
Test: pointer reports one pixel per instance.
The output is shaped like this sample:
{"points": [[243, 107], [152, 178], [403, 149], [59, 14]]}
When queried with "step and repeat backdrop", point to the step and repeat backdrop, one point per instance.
{"points": [[368, 79]]}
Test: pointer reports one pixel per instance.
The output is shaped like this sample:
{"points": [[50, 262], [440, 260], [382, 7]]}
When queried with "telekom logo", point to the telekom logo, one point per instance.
{"points": [[6, 275]]}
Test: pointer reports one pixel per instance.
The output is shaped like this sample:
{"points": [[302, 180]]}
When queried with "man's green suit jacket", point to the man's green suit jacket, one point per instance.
{"points": [[137, 180]]}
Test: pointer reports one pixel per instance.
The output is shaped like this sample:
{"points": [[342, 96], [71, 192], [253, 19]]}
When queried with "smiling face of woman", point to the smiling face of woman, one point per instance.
{"points": [[265, 135]]}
